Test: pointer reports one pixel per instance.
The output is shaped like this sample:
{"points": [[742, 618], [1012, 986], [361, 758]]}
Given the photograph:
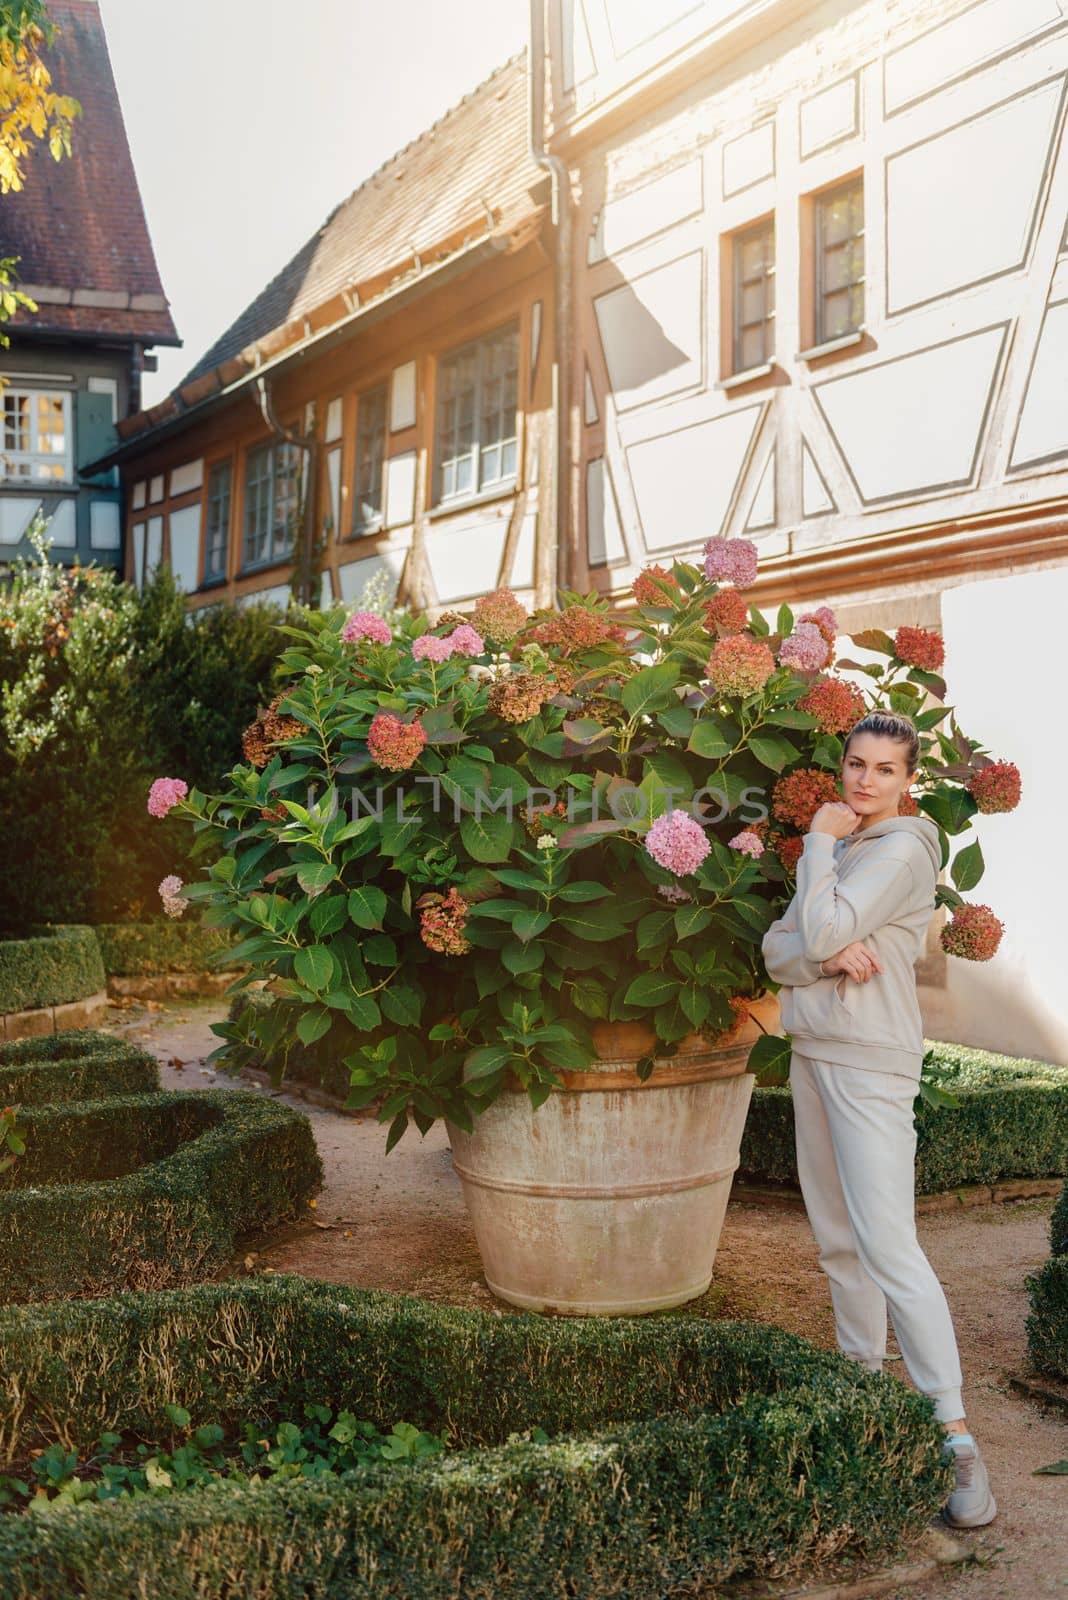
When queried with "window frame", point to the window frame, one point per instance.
{"points": [[762, 226], [213, 575], [14, 390], [504, 482], [274, 556], [820, 202], [362, 526]]}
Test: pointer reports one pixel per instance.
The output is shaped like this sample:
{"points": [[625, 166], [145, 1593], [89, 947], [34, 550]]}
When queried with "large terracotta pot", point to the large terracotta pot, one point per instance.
{"points": [[610, 1197]]}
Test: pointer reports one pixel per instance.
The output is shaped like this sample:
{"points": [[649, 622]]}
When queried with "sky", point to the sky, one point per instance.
{"points": [[250, 120]]}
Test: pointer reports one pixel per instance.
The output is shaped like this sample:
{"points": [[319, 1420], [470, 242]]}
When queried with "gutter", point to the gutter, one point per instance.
{"points": [[484, 248], [563, 457]]}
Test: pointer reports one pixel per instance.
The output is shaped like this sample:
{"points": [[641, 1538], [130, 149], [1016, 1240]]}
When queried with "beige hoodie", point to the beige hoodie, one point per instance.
{"points": [[877, 885]]}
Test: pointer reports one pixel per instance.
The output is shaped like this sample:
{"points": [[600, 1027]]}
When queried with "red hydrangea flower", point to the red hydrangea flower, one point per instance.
{"points": [[798, 795], [394, 744], [919, 647], [974, 933], [649, 586], [740, 664], [835, 703], [442, 922], [996, 787], [726, 612]]}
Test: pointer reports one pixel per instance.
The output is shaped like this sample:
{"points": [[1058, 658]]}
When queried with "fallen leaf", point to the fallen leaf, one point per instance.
{"points": [[1059, 1467]]}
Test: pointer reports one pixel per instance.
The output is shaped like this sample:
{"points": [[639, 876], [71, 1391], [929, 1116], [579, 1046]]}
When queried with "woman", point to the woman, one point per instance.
{"points": [[844, 953]]}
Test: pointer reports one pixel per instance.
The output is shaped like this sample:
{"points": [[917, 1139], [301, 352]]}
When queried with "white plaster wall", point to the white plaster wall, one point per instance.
{"points": [[1004, 649]]}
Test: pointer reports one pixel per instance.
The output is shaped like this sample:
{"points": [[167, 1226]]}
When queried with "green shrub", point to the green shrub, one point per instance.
{"points": [[140, 949], [103, 689], [1012, 1123], [682, 1450], [147, 1190], [1047, 1322], [80, 1064], [49, 968]]}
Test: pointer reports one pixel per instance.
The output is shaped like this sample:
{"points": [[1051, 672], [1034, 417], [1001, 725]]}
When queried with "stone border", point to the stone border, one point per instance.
{"points": [[43, 1020], [964, 1197], [939, 1551], [1042, 1394], [172, 985]]}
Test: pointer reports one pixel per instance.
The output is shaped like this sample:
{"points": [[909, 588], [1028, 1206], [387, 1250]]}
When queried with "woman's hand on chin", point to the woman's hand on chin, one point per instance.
{"points": [[835, 817]]}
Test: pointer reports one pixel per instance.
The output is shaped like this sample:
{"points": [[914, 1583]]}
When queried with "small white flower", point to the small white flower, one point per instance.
{"points": [[546, 841]]}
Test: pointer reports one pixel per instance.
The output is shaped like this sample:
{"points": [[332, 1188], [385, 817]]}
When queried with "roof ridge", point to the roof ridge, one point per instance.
{"points": [[419, 137]]}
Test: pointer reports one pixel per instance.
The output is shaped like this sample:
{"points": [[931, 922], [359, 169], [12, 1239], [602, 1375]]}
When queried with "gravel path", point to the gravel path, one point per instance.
{"points": [[398, 1222]]}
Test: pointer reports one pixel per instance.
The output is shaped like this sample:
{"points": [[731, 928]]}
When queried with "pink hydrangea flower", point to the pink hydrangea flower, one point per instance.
{"points": [[165, 794], [805, 648], [747, 842], [365, 625], [677, 842], [394, 744], [465, 641], [825, 620], [673, 892], [428, 647], [731, 561]]}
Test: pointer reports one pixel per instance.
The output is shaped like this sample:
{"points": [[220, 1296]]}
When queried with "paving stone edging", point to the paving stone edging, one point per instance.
{"points": [[172, 985], [44, 1020], [938, 1550]]}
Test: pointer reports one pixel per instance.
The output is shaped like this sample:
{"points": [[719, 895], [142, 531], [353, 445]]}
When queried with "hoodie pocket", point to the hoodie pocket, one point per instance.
{"points": [[819, 1010]]}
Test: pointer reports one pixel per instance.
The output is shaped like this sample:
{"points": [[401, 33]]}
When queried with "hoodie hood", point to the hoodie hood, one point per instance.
{"points": [[921, 828]]}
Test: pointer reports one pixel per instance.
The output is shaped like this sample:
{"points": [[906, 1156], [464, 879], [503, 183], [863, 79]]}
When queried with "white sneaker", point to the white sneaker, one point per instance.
{"points": [[971, 1505]]}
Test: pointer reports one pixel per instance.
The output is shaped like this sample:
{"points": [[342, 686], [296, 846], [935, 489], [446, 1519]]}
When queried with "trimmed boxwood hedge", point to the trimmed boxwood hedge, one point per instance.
{"points": [[145, 1191], [145, 949], [80, 1064], [1047, 1324], [681, 1451], [1012, 1123], [49, 968]]}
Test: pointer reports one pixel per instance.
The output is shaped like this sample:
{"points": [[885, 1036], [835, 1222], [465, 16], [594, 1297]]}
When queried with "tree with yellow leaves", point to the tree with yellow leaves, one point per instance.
{"points": [[29, 106]]}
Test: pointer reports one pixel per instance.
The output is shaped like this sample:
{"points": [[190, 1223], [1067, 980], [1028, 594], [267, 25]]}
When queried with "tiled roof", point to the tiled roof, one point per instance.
{"points": [[468, 173], [78, 225]]}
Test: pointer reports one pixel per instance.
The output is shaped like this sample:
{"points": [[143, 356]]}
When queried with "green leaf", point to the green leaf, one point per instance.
{"points": [[770, 1057], [678, 721], [652, 989], [364, 1013], [599, 923], [315, 967], [951, 808], [519, 957], [651, 689], [790, 717], [757, 622], [403, 1004], [784, 622], [771, 750], [708, 740], [487, 837], [329, 915], [583, 889], [967, 867], [484, 1062], [312, 1025], [528, 922], [367, 906], [874, 639], [380, 950], [691, 919], [315, 876]]}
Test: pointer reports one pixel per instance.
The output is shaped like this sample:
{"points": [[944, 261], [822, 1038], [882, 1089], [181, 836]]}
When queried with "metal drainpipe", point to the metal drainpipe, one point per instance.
{"points": [[561, 216], [262, 396]]}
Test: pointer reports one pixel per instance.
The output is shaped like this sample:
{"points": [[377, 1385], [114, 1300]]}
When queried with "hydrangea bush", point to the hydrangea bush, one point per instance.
{"points": [[452, 851]]}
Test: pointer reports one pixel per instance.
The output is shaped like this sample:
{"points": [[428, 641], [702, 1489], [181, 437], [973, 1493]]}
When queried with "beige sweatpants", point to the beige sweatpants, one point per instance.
{"points": [[856, 1148]]}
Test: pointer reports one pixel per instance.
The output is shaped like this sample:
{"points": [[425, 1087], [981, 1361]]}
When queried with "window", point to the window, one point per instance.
{"points": [[217, 522], [476, 426], [754, 296], [36, 436], [370, 458], [272, 503], [839, 216]]}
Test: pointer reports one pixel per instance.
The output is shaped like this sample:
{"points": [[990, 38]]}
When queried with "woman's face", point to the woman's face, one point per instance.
{"points": [[874, 774]]}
